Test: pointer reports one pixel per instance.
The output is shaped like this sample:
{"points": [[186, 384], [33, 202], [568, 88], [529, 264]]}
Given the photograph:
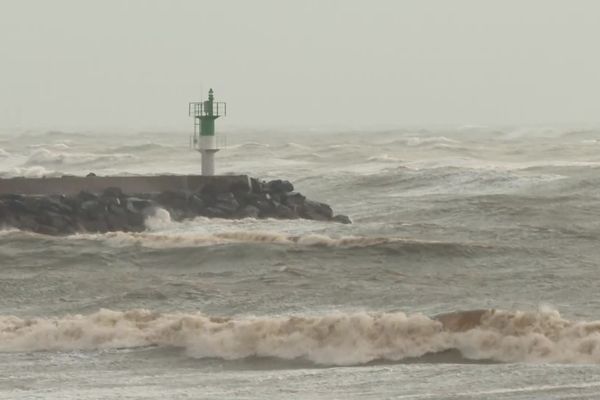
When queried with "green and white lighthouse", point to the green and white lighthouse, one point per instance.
{"points": [[204, 140]]}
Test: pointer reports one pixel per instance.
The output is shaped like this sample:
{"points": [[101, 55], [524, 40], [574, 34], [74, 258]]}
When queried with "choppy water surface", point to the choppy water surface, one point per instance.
{"points": [[444, 220]]}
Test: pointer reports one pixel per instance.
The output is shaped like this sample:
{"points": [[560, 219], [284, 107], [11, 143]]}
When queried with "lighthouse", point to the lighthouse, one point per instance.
{"points": [[204, 140]]}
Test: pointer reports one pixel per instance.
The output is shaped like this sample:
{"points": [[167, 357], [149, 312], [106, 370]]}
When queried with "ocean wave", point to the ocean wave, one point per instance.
{"points": [[409, 179], [248, 145], [384, 158], [331, 339], [4, 153], [53, 146], [201, 239], [48, 157], [35, 171], [423, 141], [133, 148]]}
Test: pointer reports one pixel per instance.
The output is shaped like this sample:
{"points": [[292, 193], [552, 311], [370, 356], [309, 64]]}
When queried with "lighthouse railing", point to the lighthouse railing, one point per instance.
{"points": [[202, 109]]}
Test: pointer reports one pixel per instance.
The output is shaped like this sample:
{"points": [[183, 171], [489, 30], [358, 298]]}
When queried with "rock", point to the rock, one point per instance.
{"points": [[249, 211], [17, 206], [240, 188], [48, 230], [110, 201], [6, 217], [60, 222], [265, 206], [315, 210], [112, 192], [284, 212], [93, 209], [12, 197], [27, 222], [278, 186], [196, 204], [255, 186], [209, 191], [214, 212], [136, 205], [86, 196], [276, 198], [117, 221], [343, 219], [136, 221], [114, 210], [293, 199], [173, 200], [227, 202], [55, 203]]}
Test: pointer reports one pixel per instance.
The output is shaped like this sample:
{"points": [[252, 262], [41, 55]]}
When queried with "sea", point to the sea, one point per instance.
{"points": [[445, 219]]}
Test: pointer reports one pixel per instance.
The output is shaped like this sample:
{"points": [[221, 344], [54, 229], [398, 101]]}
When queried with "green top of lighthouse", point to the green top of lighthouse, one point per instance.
{"points": [[208, 108], [205, 113]]}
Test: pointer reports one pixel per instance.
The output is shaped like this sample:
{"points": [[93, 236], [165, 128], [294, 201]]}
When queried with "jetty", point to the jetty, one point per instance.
{"points": [[70, 204]]}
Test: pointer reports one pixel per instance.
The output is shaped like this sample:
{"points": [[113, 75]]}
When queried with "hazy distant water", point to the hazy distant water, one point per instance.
{"points": [[444, 220]]}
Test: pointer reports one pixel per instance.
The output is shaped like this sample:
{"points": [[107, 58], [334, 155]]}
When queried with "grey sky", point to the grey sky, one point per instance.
{"points": [[122, 64]]}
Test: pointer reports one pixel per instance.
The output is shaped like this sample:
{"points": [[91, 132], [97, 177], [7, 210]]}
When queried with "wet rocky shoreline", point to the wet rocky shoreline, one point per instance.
{"points": [[115, 210]]}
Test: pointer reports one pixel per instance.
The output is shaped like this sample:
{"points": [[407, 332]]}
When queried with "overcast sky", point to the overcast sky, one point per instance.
{"points": [[135, 64]]}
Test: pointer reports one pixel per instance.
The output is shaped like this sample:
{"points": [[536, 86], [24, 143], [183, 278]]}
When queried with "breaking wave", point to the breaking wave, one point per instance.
{"points": [[35, 171], [48, 157], [332, 339], [196, 239], [384, 158], [53, 146], [134, 148]]}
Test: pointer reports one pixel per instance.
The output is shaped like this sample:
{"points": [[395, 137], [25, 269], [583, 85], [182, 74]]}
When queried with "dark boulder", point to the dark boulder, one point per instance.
{"points": [[293, 199], [61, 223], [173, 200], [343, 219], [56, 204], [86, 196], [17, 206], [93, 209], [284, 212], [117, 220], [10, 196], [315, 210], [255, 186], [227, 202], [112, 192], [214, 212], [248, 211], [136, 205], [196, 204], [278, 186]]}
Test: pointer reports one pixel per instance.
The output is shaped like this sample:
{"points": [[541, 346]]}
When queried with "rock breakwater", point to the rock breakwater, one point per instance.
{"points": [[114, 209]]}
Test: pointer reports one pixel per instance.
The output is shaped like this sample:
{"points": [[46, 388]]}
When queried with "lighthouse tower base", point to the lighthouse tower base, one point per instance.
{"points": [[208, 161]]}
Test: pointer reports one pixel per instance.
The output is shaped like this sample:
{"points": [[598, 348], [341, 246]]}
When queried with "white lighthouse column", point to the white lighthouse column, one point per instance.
{"points": [[208, 161], [208, 148]]}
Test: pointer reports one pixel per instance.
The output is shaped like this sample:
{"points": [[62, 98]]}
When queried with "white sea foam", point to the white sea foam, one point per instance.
{"points": [[47, 156], [427, 140], [384, 158], [53, 146], [198, 239], [334, 339], [36, 171]]}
